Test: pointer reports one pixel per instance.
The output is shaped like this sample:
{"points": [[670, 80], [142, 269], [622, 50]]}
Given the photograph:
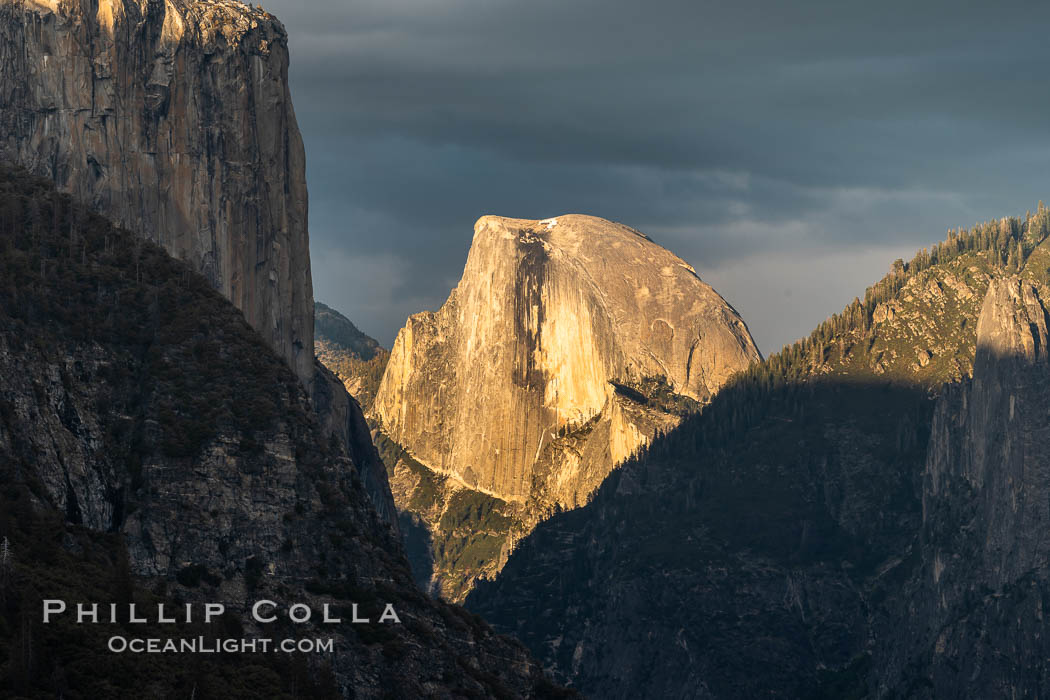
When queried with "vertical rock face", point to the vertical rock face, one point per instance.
{"points": [[974, 614], [173, 118], [568, 344], [547, 316], [992, 436], [980, 435]]}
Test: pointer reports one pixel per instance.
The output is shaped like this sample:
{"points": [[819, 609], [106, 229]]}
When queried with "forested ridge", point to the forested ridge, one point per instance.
{"points": [[997, 247], [358, 360]]}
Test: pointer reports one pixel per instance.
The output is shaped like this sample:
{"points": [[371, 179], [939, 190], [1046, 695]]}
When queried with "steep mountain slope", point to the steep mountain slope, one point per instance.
{"points": [[358, 360], [136, 401], [567, 344], [173, 119], [765, 548]]}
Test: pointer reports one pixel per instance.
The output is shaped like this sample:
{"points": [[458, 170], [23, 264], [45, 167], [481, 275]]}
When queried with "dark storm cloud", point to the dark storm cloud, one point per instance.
{"points": [[770, 144]]}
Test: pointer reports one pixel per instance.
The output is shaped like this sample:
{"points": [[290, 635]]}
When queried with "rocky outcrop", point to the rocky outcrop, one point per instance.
{"points": [[547, 314], [567, 345], [173, 118], [974, 610]]}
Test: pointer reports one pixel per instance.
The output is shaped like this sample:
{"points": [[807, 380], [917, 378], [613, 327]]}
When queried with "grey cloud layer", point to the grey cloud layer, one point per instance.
{"points": [[734, 133]]}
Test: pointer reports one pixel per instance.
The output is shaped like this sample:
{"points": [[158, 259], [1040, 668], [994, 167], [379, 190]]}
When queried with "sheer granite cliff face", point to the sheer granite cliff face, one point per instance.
{"points": [[172, 118], [547, 314], [568, 344], [973, 617]]}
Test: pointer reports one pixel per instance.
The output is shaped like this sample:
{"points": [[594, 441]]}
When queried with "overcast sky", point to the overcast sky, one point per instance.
{"points": [[789, 151]]}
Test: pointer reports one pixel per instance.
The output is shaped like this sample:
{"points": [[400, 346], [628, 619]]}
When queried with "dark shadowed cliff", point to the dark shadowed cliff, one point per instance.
{"points": [[153, 448]]}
